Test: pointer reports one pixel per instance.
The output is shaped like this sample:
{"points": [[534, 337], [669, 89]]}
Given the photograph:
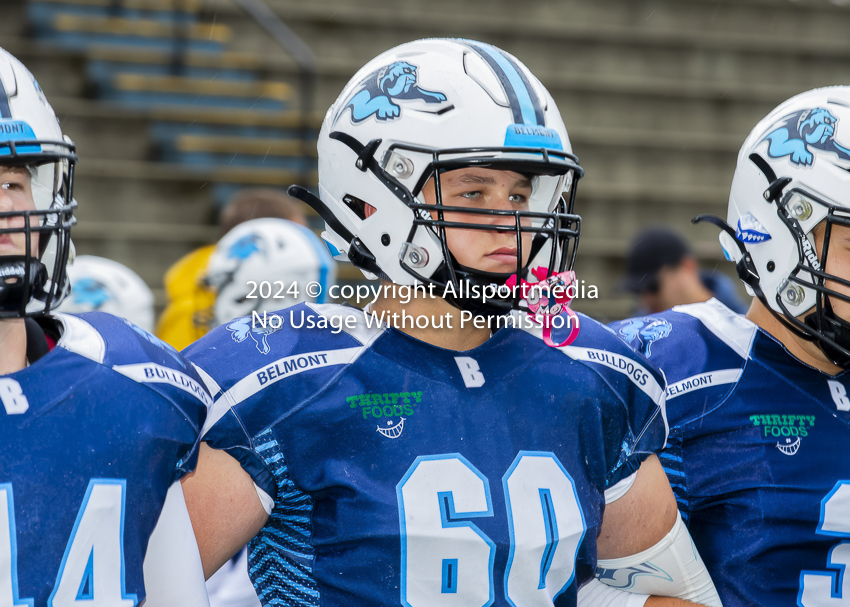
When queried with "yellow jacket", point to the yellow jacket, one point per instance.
{"points": [[189, 312]]}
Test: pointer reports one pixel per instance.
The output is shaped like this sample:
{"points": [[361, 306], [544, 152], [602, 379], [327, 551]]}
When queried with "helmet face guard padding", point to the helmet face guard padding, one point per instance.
{"points": [[793, 174], [33, 284], [385, 163]]}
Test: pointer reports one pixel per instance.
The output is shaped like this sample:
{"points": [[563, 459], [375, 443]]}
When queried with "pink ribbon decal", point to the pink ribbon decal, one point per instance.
{"points": [[548, 298]]}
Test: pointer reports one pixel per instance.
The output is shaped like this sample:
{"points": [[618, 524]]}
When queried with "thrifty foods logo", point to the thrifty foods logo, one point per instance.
{"points": [[387, 406], [791, 428]]}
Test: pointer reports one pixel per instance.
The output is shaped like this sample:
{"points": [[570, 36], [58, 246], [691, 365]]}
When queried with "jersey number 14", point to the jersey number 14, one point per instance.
{"points": [[91, 573]]}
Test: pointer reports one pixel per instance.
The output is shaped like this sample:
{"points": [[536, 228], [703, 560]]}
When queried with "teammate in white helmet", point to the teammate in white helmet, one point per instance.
{"points": [[264, 265], [107, 286], [99, 417], [427, 452], [758, 406]]}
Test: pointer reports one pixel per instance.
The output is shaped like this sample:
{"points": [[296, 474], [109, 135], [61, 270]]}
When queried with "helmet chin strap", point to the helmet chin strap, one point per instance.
{"points": [[836, 332], [24, 277]]}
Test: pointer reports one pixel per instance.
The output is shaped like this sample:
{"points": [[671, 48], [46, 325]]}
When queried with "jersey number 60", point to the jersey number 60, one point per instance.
{"points": [[447, 560]]}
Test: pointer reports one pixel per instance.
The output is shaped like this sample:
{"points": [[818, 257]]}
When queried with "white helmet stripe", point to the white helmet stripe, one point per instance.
{"points": [[522, 98], [5, 110]]}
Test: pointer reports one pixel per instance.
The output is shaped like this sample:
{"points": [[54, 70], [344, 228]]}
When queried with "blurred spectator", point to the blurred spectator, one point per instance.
{"points": [[189, 313], [663, 272], [101, 284], [256, 203]]}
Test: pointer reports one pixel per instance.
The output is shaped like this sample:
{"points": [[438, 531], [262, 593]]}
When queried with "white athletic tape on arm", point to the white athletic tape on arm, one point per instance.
{"points": [[597, 594], [672, 568]]}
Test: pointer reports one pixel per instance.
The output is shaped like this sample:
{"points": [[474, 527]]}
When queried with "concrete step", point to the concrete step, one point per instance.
{"points": [[584, 99], [143, 90], [41, 13], [753, 18], [192, 6], [546, 42], [80, 31]]}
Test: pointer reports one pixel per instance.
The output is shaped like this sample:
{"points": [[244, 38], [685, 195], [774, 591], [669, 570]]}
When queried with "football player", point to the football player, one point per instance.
{"points": [[99, 418], [758, 406], [260, 266], [425, 451]]}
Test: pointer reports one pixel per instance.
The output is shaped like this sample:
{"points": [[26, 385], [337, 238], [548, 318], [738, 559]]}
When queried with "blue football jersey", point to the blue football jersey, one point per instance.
{"points": [[758, 456], [93, 434], [406, 473]]}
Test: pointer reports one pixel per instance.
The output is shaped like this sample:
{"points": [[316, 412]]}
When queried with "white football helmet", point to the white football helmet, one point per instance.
{"points": [[793, 173], [264, 265], [421, 109], [101, 284], [30, 136]]}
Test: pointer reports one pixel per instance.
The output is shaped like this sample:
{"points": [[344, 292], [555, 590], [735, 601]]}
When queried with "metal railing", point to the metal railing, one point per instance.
{"points": [[304, 58]]}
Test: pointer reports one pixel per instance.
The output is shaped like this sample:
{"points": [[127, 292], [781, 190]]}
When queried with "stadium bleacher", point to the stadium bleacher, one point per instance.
{"points": [[174, 104]]}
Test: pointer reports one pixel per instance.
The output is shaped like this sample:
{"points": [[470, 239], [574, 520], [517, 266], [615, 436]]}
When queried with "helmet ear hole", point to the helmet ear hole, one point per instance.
{"points": [[359, 207]]}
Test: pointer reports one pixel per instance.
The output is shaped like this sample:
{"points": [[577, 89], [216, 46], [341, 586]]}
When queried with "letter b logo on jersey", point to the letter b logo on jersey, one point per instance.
{"points": [[839, 395], [13, 397], [470, 371]]}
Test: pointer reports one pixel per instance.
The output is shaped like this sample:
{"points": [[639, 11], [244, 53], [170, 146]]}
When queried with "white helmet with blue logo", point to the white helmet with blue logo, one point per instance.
{"points": [[793, 173], [264, 265], [103, 285], [34, 283], [423, 108]]}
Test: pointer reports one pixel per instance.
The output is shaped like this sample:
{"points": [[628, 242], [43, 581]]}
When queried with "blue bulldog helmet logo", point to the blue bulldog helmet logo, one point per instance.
{"points": [[802, 132], [90, 291], [641, 333], [241, 329], [245, 247], [380, 91]]}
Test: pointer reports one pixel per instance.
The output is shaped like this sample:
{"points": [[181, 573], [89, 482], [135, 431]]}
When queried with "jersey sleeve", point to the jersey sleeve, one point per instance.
{"points": [[631, 399], [131, 352], [224, 429], [702, 349]]}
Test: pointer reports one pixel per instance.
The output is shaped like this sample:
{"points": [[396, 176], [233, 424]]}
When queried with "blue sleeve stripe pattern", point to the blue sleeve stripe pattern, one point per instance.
{"points": [[671, 461], [280, 558]]}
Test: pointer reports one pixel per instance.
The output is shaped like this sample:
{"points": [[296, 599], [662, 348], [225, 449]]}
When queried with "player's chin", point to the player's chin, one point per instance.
{"points": [[11, 248], [504, 264]]}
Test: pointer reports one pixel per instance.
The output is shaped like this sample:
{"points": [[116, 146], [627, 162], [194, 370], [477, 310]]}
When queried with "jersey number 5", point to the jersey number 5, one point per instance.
{"points": [[447, 560], [831, 589], [92, 570]]}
